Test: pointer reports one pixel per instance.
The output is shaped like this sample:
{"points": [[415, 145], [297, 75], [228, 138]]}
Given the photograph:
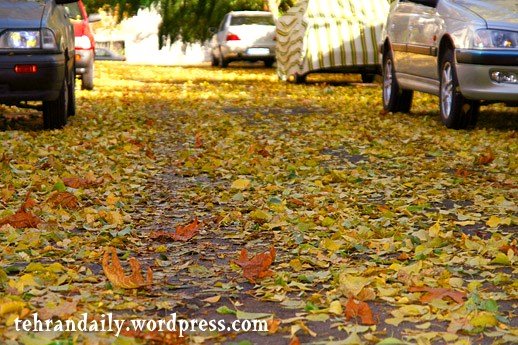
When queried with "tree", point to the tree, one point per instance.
{"points": [[188, 20]]}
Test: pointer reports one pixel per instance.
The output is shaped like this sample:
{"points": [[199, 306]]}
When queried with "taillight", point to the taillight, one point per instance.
{"points": [[26, 68], [232, 37]]}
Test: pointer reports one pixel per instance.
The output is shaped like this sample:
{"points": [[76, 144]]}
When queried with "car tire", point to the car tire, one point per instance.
{"points": [[87, 79], [223, 62], [457, 112], [214, 61], [395, 99], [368, 78], [298, 78], [55, 112], [72, 93], [269, 63]]}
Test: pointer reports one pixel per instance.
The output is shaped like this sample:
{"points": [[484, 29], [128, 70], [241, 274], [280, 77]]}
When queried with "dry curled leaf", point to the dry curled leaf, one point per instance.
{"points": [[21, 219], [438, 293], [258, 266], [113, 270], [354, 309], [79, 182], [63, 199], [183, 233], [486, 158]]}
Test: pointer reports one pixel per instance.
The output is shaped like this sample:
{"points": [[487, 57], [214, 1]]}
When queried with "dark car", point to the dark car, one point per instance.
{"points": [[84, 41], [37, 58], [107, 54]]}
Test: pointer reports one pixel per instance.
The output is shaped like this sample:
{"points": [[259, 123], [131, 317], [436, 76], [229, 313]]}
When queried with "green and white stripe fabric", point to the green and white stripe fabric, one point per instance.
{"points": [[329, 34]]}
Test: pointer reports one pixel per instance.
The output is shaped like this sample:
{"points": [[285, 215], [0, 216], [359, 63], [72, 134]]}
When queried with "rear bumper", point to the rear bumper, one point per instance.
{"points": [[84, 59], [43, 85], [251, 53], [474, 70]]}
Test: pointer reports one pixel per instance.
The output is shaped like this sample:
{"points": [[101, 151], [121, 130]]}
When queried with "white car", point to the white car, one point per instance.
{"points": [[245, 36]]}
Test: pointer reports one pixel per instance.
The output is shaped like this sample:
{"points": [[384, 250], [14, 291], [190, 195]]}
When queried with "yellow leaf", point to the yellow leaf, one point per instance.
{"points": [[329, 244], [335, 307], [11, 307], [495, 221], [351, 286], [484, 319], [434, 230], [240, 184], [296, 265], [501, 259]]}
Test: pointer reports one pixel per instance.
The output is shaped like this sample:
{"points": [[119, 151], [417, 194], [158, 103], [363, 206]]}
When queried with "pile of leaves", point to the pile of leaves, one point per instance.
{"points": [[227, 193]]}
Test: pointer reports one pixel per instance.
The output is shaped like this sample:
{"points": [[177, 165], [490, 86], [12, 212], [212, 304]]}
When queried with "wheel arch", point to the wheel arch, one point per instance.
{"points": [[446, 43]]}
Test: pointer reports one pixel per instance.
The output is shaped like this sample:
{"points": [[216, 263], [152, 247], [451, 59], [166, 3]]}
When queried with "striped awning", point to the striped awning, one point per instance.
{"points": [[317, 35]]}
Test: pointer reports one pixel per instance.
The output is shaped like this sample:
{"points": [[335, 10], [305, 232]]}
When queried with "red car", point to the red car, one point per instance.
{"points": [[84, 42]]}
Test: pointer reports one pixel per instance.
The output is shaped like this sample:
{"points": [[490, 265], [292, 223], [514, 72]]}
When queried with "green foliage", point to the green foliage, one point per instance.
{"points": [[188, 20]]}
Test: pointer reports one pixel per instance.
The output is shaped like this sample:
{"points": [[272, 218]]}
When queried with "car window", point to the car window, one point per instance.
{"points": [[251, 20], [73, 11]]}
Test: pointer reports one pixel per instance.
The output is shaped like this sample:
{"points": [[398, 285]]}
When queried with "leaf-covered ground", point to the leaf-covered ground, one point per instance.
{"points": [[382, 228]]}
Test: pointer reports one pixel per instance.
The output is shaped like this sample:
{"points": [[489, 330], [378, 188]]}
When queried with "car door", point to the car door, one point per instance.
{"points": [[397, 30], [424, 28]]}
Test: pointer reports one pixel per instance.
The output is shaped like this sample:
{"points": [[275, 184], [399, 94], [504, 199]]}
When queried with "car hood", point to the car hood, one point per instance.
{"points": [[21, 14], [498, 14]]}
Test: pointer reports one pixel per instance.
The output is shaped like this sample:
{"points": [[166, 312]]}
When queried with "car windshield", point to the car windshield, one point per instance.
{"points": [[251, 20], [73, 11]]}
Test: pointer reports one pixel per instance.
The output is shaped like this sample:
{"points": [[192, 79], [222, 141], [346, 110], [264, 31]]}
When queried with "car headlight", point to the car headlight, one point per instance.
{"points": [[495, 39], [28, 39]]}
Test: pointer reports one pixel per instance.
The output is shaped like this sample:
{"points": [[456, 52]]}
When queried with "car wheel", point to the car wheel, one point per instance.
{"points": [[87, 80], [269, 63], [72, 93], [394, 98], [368, 77], [214, 61], [55, 112], [222, 61], [456, 111]]}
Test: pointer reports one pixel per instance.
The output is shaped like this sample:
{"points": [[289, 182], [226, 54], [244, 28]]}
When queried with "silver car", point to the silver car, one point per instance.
{"points": [[464, 51], [244, 35]]}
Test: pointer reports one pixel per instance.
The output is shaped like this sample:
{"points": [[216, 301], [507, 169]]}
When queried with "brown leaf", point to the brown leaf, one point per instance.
{"points": [[258, 266], [273, 325], [63, 199], [354, 309], [486, 158], [28, 203], [198, 141], [506, 247], [62, 311], [115, 273], [21, 219], [438, 293], [461, 172], [183, 233]]}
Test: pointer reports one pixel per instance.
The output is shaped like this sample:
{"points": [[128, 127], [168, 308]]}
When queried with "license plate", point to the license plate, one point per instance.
{"points": [[258, 51]]}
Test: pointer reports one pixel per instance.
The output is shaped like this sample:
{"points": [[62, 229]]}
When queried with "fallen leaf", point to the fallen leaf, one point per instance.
{"points": [[258, 266], [354, 309], [62, 311], [183, 233], [21, 219], [115, 273], [63, 199], [78, 182], [438, 293], [294, 340], [486, 158]]}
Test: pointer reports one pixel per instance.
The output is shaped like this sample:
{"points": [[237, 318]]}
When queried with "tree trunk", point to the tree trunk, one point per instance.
{"points": [[272, 6]]}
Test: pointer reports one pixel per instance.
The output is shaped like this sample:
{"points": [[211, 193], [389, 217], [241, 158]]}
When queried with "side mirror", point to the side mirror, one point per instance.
{"points": [[94, 17], [63, 2], [213, 30]]}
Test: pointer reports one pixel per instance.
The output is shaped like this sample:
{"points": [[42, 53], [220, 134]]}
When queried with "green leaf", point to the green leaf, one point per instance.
{"points": [[226, 311]]}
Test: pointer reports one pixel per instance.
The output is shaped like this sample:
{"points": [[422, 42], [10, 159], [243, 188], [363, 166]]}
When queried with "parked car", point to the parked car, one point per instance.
{"points": [[107, 54], [464, 51], [37, 58], [316, 36], [84, 42], [244, 35]]}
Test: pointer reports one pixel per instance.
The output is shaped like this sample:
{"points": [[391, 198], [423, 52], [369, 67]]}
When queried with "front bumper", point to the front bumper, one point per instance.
{"points": [[44, 85], [474, 70], [84, 59]]}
